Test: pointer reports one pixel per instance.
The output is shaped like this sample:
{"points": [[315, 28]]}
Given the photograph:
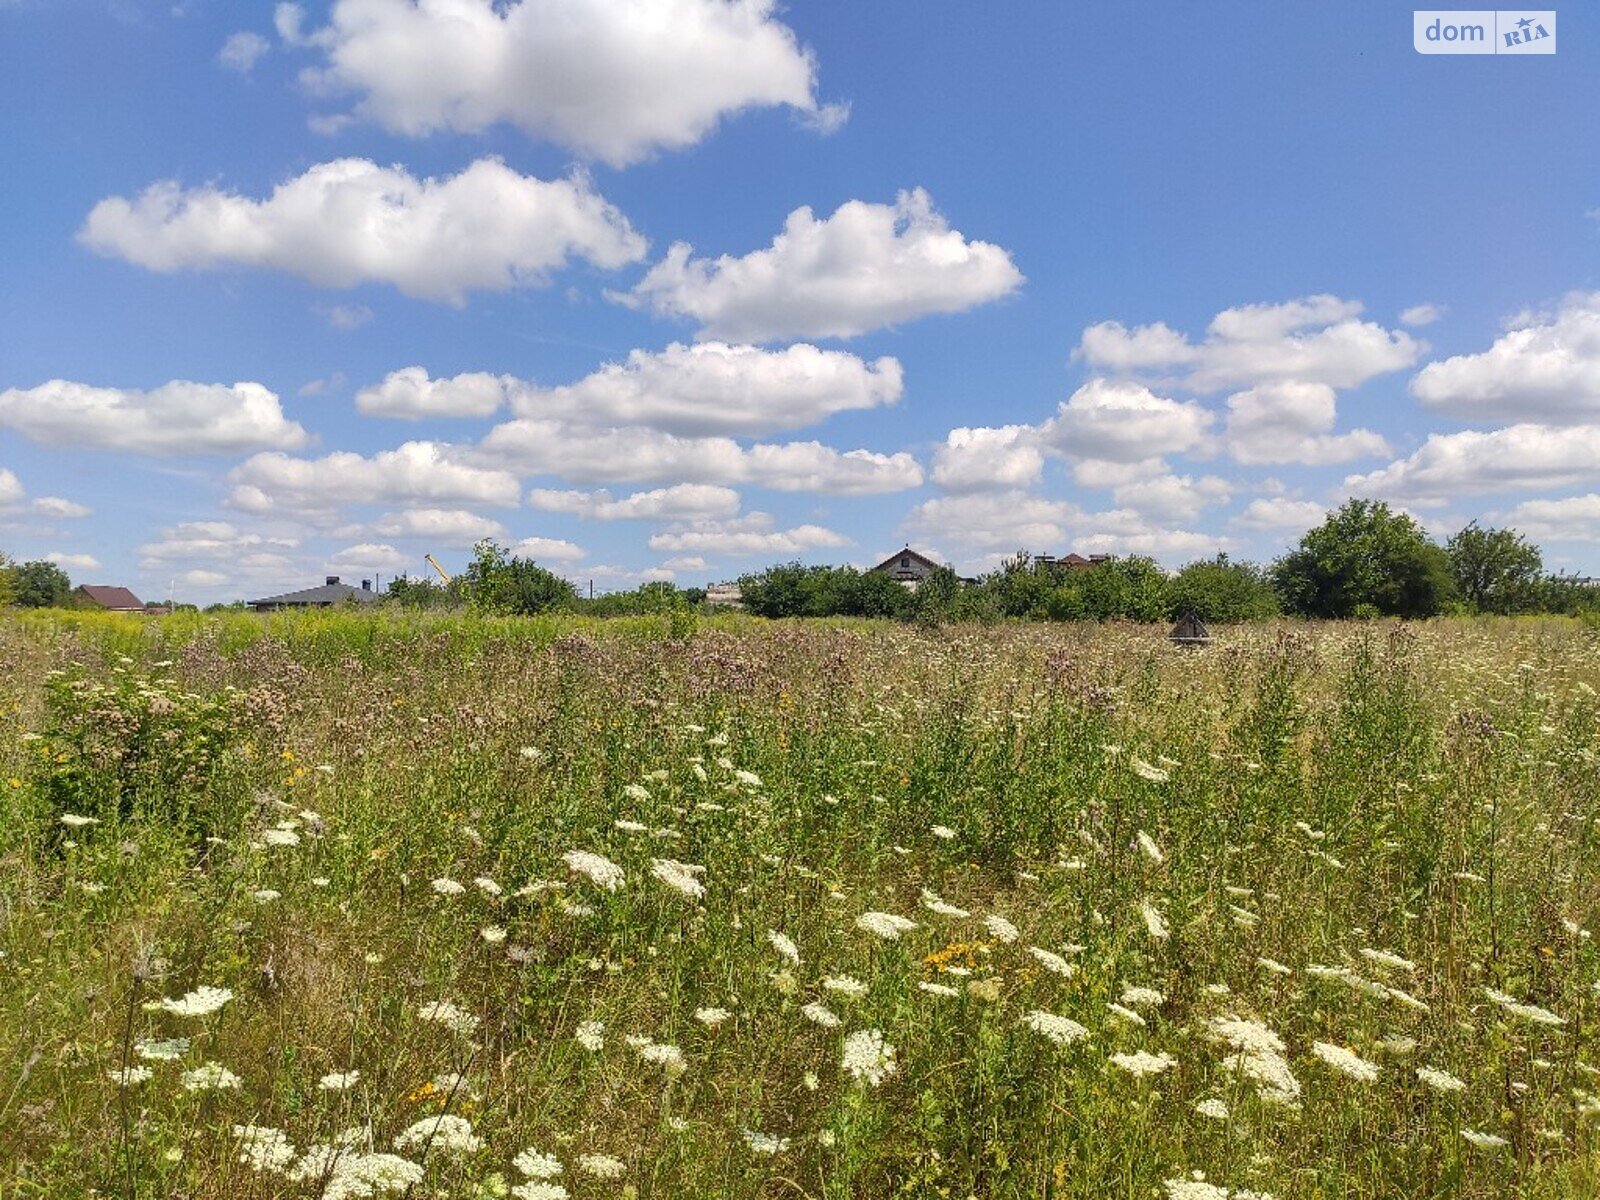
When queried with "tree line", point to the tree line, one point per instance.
{"points": [[1364, 560]]}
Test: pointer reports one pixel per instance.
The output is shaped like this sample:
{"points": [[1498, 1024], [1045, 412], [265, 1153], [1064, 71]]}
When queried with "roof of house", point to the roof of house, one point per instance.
{"points": [[893, 561], [111, 597], [327, 593]]}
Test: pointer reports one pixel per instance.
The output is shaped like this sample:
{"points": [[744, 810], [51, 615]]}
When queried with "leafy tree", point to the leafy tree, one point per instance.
{"points": [[419, 593], [1365, 558], [1134, 588], [8, 582], [41, 584], [1496, 570], [499, 583], [1220, 590]]}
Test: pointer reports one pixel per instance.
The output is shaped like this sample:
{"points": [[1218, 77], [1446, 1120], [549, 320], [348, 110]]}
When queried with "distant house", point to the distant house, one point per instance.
{"points": [[724, 595], [330, 593], [109, 599], [1072, 562], [907, 567]]}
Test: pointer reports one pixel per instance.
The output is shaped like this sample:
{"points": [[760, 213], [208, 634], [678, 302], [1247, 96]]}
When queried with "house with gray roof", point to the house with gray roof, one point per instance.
{"points": [[330, 593]]}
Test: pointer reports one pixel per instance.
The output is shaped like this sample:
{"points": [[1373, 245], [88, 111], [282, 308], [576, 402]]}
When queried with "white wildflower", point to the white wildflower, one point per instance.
{"points": [[679, 876], [1213, 1108], [888, 926], [1154, 922], [765, 1143], [262, 1148], [537, 1165], [591, 1035], [845, 985], [161, 1051], [938, 989], [820, 1014], [1142, 997], [1528, 1012], [867, 1057], [943, 832], [488, 886], [1346, 1062], [448, 1014], [446, 886], [1441, 1081], [338, 1081], [210, 1077], [934, 904], [445, 1133], [201, 1002], [128, 1076], [1000, 929], [1147, 771], [1151, 850], [1127, 1014], [711, 1017], [1063, 1031], [784, 945], [74, 821], [600, 871], [1053, 962], [1486, 1141], [1140, 1063], [602, 1166]]}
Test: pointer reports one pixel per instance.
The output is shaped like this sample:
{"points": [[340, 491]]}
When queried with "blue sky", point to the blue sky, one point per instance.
{"points": [[319, 289]]}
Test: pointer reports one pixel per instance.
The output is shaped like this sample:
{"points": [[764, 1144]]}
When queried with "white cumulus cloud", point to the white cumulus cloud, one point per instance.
{"points": [[73, 562], [1516, 458], [1291, 421], [242, 50], [409, 395], [612, 79], [1546, 368], [178, 418], [753, 534], [445, 526], [681, 502], [416, 472], [866, 267], [1125, 422], [351, 221], [975, 459], [714, 387]]}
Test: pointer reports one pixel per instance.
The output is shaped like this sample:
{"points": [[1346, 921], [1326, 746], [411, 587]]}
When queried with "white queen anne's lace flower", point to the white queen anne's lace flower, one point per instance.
{"points": [[201, 1002], [867, 1057], [1346, 1062], [888, 926], [596, 868], [1063, 1031]]}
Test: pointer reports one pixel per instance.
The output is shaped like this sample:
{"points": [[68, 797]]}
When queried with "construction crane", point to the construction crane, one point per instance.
{"points": [[443, 574]]}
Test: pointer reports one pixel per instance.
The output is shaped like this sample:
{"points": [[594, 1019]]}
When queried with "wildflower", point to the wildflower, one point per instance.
{"points": [[661, 1054], [711, 1017], [1213, 1108], [938, 989], [1140, 1064], [1127, 1014], [679, 876], [1486, 1141], [280, 837], [1000, 929], [338, 1081], [74, 821], [201, 1002], [488, 886], [845, 985], [265, 895], [1151, 850], [1154, 922], [765, 1143], [529, 752], [262, 1148], [450, 1015], [537, 1165], [1259, 1057], [867, 1057], [602, 1166], [820, 1014], [784, 945], [1194, 1189], [1441, 1081], [359, 1175], [1146, 770], [943, 832], [161, 1051], [1398, 1046], [1346, 1062], [1528, 1012], [934, 904], [591, 1035], [1063, 1031], [538, 1189], [630, 826], [128, 1076], [600, 871], [888, 926], [1385, 959], [447, 887], [210, 1077], [1053, 962], [493, 934], [445, 1133], [1142, 997]]}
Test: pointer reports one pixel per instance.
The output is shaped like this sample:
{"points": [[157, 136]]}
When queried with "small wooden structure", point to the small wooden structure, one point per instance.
{"points": [[1190, 631]]}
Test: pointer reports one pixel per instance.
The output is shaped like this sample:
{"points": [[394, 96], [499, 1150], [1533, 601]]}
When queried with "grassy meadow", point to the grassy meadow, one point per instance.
{"points": [[353, 905]]}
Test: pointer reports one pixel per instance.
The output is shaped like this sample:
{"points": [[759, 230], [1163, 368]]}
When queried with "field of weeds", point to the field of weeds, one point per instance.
{"points": [[360, 906]]}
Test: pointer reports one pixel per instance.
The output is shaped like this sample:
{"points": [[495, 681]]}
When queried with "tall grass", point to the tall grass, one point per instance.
{"points": [[1377, 838]]}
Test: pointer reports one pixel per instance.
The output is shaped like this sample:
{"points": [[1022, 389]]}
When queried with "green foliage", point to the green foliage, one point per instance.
{"points": [[8, 582], [1365, 557], [499, 583], [1222, 591], [422, 593], [125, 746], [796, 590], [656, 598], [41, 584], [1496, 570]]}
